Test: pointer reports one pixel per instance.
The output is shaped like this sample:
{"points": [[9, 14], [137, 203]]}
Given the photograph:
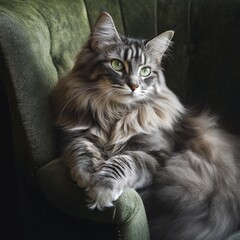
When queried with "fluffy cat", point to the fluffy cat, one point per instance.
{"points": [[125, 128]]}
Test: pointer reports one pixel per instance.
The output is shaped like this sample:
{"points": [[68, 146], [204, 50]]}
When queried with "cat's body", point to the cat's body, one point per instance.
{"points": [[125, 128]]}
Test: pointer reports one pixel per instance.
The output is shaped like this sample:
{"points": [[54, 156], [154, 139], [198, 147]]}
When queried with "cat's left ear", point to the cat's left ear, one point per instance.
{"points": [[104, 31], [158, 45]]}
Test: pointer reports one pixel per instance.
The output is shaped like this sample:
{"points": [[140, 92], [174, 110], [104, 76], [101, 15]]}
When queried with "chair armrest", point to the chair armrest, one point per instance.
{"points": [[128, 214]]}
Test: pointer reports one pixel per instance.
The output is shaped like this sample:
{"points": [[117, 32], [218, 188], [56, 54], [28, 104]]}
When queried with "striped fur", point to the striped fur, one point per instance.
{"points": [[126, 129]]}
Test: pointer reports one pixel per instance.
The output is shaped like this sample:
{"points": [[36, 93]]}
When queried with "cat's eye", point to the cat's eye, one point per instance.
{"points": [[145, 71], [117, 65]]}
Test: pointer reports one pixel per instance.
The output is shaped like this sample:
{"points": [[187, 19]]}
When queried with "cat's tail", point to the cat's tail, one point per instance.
{"points": [[215, 218], [212, 220]]}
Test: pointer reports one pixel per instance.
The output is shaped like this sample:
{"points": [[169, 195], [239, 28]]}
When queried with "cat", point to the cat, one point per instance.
{"points": [[125, 128]]}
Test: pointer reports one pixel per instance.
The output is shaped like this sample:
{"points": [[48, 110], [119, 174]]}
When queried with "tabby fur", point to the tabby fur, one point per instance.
{"points": [[125, 129]]}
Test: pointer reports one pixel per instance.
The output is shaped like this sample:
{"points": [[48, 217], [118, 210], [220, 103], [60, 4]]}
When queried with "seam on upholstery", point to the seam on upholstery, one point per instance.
{"points": [[156, 17], [50, 38], [88, 17], [44, 19], [123, 20], [189, 20], [189, 40]]}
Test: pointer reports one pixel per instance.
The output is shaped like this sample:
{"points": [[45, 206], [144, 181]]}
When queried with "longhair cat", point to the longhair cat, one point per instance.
{"points": [[125, 128]]}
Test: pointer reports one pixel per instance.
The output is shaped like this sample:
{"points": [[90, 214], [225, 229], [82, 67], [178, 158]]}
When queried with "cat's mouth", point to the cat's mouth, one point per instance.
{"points": [[127, 96], [128, 90], [130, 93]]}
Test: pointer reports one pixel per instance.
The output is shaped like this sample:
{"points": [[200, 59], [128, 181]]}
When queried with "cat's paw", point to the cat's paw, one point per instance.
{"points": [[103, 191], [101, 197]]}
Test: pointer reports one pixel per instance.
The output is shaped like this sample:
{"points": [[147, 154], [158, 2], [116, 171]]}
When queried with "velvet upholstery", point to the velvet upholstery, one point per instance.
{"points": [[39, 40]]}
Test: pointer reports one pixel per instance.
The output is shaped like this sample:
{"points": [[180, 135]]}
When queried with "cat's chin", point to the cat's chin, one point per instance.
{"points": [[128, 99]]}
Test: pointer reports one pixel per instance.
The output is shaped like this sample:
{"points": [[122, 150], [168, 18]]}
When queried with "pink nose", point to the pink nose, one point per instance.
{"points": [[133, 86]]}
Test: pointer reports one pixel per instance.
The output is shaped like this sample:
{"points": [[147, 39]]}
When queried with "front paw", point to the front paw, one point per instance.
{"points": [[101, 197], [103, 191]]}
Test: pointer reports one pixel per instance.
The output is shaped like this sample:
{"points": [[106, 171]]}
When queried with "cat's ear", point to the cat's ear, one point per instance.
{"points": [[104, 31], [158, 45]]}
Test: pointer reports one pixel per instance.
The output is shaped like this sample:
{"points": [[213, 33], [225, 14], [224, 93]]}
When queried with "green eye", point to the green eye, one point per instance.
{"points": [[145, 71], [117, 65]]}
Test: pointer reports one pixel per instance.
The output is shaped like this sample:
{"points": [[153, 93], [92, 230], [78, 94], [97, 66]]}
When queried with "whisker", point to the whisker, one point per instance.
{"points": [[71, 99], [102, 93], [64, 107], [117, 86], [102, 96]]}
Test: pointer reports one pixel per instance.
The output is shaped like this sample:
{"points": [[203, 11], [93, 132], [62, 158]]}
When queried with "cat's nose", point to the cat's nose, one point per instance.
{"points": [[133, 86]]}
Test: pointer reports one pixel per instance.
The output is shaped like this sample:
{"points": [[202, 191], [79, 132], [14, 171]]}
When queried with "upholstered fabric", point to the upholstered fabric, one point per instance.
{"points": [[39, 40]]}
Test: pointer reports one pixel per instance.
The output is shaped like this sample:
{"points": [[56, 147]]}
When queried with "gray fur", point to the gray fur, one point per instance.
{"points": [[185, 168]]}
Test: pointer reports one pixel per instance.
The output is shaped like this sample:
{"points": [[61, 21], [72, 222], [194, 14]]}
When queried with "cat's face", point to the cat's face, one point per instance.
{"points": [[125, 70]]}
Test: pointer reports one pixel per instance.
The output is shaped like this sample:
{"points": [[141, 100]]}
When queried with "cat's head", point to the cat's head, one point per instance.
{"points": [[125, 70]]}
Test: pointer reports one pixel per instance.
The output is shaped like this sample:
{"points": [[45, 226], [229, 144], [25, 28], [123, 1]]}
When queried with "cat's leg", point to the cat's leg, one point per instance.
{"points": [[131, 169], [82, 157]]}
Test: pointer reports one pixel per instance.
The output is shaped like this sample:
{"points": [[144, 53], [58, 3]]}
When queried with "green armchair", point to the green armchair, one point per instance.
{"points": [[38, 42]]}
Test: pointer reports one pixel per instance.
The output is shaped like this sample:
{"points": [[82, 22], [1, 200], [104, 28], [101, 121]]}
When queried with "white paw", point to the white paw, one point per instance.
{"points": [[101, 197]]}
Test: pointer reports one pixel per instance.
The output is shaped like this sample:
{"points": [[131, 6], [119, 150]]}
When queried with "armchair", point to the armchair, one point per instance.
{"points": [[38, 42]]}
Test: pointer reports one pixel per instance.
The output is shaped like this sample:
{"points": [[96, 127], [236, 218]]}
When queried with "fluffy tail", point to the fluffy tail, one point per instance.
{"points": [[214, 218]]}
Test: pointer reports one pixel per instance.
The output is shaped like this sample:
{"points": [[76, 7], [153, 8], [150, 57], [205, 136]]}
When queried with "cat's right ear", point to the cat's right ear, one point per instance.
{"points": [[104, 31]]}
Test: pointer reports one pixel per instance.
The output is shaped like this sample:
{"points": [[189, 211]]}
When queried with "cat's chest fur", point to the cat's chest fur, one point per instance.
{"points": [[135, 130], [153, 142]]}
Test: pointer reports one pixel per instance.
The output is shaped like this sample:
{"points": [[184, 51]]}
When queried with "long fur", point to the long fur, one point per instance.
{"points": [[184, 166]]}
